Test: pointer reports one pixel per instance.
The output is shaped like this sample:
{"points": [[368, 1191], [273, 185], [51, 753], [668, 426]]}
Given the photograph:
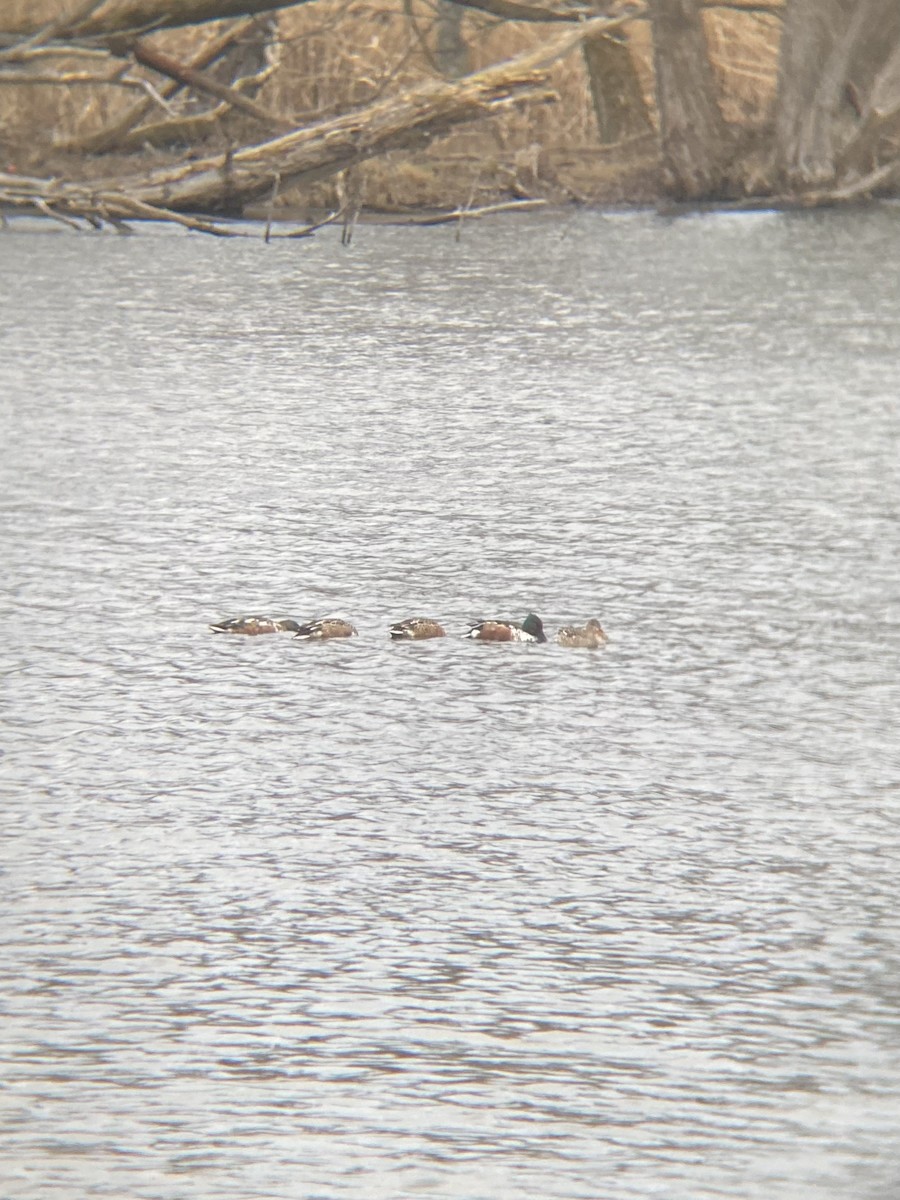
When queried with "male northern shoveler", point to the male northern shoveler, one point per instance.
{"points": [[416, 629], [251, 626], [531, 629], [328, 627], [588, 637]]}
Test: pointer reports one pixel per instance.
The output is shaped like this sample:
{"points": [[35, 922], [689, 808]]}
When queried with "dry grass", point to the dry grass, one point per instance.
{"points": [[337, 54]]}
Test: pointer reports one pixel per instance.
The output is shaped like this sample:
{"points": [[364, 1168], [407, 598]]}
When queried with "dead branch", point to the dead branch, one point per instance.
{"points": [[410, 118], [184, 130], [23, 52], [467, 214], [514, 10], [44, 208], [337, 214], [105, 18], [153, 212], [875, 126], [134, 17], [71, 78], [226, 183], [105, 139], [775, 8], [68, 202], [38, 34], [116, 78], [855, 189], [149, 56]]}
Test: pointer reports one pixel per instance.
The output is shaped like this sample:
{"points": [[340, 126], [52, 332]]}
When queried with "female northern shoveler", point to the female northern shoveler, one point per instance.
{"points": [[416, 629], [531, 629], [589, 637], [251, 626], [328, 627]]}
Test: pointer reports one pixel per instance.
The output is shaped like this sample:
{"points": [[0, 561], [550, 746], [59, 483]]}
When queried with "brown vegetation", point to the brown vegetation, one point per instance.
{"points": [[679, 98], [332, 56]]}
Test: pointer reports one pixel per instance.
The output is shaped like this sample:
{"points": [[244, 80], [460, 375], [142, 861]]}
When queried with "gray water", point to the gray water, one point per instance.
{"points": [[449, 919]]}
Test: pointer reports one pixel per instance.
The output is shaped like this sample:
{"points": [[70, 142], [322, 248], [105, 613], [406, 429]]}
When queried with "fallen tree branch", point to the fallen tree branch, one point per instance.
{"points": [[775, 8], [70, 78], [337, 214], [471, 214], [106, 138], [69, 203], [131, 206], [853, 190], [514, 10], [111, 17], [105, 18], [134, 17], [182, 130], [226, 183], [150, 56], [24, 52], [44, 208], [412, 117], [877, 124]]}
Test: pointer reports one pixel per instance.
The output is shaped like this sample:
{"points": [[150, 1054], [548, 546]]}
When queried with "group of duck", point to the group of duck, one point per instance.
{"points": [[589, 636]]}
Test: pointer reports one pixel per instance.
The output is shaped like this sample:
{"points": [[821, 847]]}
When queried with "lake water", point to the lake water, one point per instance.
{"points": [[446, 919]]}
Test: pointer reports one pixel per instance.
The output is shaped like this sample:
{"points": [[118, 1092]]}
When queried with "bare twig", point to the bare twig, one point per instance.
{"points": [[22, 53], [308, 230], [466, 214], [775, 9], [276, 184], [73, 78], [411, 20], [157, 97], [514, 10]]}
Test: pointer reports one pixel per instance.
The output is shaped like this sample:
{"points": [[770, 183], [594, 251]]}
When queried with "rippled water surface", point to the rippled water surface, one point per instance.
{"points": [[453, 920]]}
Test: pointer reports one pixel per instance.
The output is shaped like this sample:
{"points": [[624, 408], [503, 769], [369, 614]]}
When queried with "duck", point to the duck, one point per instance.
{"points": [[416, 629], [327, 627], [590, 636], [251, 626], [530, 629]]}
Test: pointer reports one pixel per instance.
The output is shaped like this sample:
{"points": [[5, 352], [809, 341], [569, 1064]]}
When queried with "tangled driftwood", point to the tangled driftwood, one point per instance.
{"points": [[226, 183]]}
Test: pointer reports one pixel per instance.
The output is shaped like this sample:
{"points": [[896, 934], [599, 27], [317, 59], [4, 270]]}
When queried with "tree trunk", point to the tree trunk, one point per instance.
{"points": [[615, 90], [451, 51], [878, 133], [692, 130], [832, 54]]}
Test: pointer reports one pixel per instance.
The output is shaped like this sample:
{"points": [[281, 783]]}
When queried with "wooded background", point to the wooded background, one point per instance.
{"points": [[678, 99]]}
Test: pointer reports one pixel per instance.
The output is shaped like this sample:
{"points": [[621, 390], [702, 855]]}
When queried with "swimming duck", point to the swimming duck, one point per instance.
{"points": [[588, 637], [416, 629], [251, 626], [328, 627], [530, 629]]}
